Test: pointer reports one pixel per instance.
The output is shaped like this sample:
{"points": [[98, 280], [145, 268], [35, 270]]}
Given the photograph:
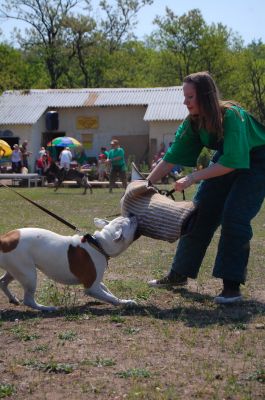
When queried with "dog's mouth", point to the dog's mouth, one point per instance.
{"points": [[134, 221]]}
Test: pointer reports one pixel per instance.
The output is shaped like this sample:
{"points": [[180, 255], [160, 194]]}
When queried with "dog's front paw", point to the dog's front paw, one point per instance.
{"points": [[128, 303]]}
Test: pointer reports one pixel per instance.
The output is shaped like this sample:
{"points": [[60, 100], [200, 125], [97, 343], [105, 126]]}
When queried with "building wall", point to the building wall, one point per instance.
{"points": [[161, 132], [23, 132], [31, 133], [112, 121]]}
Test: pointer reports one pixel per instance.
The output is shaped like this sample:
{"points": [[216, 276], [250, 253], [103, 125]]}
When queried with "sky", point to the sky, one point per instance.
{"points": [[246, 17]]}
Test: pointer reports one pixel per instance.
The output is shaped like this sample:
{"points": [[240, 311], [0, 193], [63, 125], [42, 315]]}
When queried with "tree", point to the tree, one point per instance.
{"points": [[47, 31], [181, 35], [81, 32], [136, 66], [255, 78], [96, 46], [118, 25], [15, 70]]}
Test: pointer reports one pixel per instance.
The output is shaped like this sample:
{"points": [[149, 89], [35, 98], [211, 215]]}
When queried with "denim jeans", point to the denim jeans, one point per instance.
{"points": [[231, 201]]}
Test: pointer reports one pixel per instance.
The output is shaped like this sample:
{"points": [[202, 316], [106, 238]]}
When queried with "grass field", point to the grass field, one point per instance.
{"points": [[173, 345]]}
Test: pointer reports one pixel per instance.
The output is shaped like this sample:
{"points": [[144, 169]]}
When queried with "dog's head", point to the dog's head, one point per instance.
{"points": [[116, 235]]}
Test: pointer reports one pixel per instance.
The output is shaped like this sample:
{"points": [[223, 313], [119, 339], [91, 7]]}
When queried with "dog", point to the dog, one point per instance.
{"points": [[68, 260], [61, 174]]}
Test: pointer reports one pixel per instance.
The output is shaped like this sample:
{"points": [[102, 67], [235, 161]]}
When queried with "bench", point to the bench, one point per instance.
{"points": [[104, 184], [35, 178]]}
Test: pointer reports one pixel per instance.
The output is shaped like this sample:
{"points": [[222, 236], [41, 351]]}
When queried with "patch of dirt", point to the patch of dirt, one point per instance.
{"points": [[174, 345]]}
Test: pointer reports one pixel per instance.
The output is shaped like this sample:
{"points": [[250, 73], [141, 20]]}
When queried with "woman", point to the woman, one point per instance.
{"points": [[43, 163], [16, 159], [232, 187]]}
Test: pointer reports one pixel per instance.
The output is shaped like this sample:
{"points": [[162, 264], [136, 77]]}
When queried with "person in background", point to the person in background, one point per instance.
{"points": [[16, 159], [43, 163], [157, 160], [65, 158], [162, 150], [103, 150], [42, 151], [116, 160], [102, 165], [25, 154], [81, 157], [231, 189], [177, 169]]}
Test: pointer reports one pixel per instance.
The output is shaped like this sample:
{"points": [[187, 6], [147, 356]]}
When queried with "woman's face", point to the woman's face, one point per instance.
{"points": [[190, 99]]}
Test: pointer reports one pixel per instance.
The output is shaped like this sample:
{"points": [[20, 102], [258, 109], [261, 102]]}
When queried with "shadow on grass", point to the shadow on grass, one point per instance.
{"points": [[199, 312]]}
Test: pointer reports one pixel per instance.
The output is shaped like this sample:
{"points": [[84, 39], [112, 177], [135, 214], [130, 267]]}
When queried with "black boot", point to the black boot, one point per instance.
{"points": [[170, 280]]}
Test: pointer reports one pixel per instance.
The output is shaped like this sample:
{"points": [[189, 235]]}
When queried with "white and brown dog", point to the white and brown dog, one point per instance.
{"points": [[68, 260]]}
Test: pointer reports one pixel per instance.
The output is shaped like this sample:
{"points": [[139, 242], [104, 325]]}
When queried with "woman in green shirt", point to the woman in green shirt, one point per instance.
{"points": [[231, 190]]}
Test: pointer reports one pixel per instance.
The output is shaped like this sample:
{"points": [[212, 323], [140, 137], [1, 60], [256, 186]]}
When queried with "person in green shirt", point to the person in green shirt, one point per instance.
{"points": [[231, 189], [116, 159]]}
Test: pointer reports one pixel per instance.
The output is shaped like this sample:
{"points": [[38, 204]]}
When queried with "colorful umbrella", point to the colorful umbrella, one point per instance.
{"points": [[64, 141], [5, 149]]}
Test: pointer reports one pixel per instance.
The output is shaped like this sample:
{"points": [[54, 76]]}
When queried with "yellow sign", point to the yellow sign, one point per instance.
{"points": [[87, 123], [87, 140]]}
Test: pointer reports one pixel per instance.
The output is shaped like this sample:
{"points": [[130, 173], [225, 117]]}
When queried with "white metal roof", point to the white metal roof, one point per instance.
{"points": [[26, 107]]}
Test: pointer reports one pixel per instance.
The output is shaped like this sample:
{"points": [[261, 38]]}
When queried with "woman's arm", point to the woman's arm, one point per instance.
{"points": [[212, 171], [114, 159], [160, 170]]}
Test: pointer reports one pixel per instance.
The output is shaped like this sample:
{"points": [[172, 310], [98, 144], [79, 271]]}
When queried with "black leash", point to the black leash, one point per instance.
{"points": [[86, 237], [44, 209], [167, 193]]}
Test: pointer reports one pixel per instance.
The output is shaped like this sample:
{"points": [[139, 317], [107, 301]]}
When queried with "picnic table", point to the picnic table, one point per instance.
{"points": [[31, 178]]}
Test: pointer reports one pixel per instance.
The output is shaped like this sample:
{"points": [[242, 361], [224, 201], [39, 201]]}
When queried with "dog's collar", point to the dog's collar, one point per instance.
{"points": [[94, 242]]}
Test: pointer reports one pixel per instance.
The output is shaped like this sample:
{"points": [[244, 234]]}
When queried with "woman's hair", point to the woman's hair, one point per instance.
{"points": [[211, 108]]}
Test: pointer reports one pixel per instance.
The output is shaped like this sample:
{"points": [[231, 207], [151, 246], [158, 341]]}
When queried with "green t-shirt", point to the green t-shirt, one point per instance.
{"points": [[242, 132], [119, 152]]}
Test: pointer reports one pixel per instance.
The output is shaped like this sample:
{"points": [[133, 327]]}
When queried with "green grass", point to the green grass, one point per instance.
{"points": [[6, 390], [173, 345]]}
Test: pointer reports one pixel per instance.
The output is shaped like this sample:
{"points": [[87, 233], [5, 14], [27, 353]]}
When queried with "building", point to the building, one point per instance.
{"points": [[141, 118]]}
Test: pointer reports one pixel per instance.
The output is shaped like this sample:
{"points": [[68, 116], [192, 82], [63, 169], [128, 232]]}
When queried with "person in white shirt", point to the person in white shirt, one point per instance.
{"points": [[16, 159], [65, 158]]}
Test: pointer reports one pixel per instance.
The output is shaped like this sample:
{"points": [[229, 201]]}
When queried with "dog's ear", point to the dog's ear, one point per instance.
{"points": [[100, 223], [117, 235]]}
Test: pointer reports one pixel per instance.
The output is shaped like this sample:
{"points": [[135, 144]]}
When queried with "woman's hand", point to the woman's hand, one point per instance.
{"points": [[212, 171], [183, 183]]}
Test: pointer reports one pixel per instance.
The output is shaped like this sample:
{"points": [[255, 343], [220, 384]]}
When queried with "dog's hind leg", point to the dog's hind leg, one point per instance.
{"points": [[57, 184], [28, 280], [101, 292], [82, 183], [86, 184], [4, 282]]}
